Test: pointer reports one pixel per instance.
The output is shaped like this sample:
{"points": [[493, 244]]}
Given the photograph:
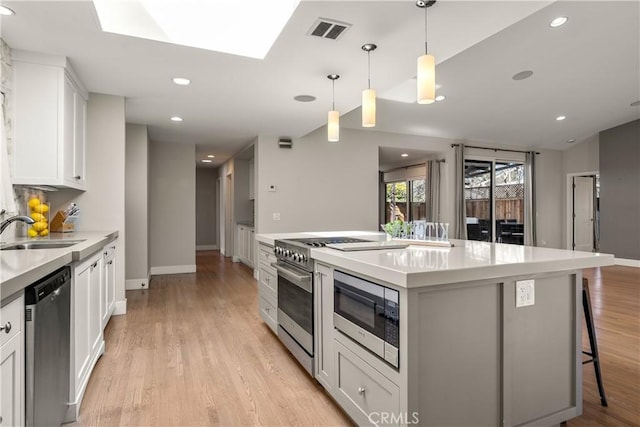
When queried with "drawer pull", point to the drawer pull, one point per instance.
{"points": [[361, 391], [77, 177], [268, 309], [6, 328]]}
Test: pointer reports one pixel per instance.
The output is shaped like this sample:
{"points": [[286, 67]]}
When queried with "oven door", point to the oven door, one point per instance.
{"points": [[295, 304]]}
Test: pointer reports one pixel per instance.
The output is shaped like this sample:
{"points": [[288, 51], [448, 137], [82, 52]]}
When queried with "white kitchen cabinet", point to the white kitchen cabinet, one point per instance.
{"points": [[362, 391], [50, 111], [268, 287], [12, 409], [87, 343], [323, 325], [108, 301], [252, 191], [245, 245]]}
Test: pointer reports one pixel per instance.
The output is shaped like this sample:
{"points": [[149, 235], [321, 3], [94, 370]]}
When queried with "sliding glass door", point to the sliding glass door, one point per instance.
{"points": [[494, 198]]}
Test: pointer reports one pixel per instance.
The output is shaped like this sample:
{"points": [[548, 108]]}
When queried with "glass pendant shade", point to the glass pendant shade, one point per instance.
{"points": [[368, 108], [333, 126], [426, 79]]}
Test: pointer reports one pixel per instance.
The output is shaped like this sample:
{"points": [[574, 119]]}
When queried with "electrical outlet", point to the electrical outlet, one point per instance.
{"points": [[525, 293], [272, 188], [276, 216]]}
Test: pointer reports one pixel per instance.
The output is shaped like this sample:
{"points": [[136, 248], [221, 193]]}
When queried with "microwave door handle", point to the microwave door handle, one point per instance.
{"points": [[357, 297]]}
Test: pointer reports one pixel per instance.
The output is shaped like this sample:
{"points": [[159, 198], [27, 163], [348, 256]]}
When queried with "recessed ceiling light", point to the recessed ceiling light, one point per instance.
{"points": [[181, 81], [560, 118], [440, 98], [206, 161], [211, 156], [559, 21], [571, 141], [5, 11], [522, 75], [404, 155], [176, 119], [635, 104], [305, 98]]}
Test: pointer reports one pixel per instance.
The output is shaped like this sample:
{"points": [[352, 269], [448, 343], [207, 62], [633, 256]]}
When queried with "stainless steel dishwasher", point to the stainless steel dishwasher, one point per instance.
{"points": [[47, 348]]}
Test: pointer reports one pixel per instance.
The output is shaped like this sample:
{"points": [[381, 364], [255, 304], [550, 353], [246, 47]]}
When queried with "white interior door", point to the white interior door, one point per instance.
{"points": [[583, 213]]}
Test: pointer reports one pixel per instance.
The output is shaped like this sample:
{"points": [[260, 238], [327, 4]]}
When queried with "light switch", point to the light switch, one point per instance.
{"points": [[525, 293]]}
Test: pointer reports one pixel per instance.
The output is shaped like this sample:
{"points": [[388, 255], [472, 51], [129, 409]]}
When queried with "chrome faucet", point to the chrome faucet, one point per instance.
{"points": [[4, 224]]}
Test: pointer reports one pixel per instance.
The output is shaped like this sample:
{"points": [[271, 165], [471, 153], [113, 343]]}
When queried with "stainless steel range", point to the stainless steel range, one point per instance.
{"points": [[295, 294]]}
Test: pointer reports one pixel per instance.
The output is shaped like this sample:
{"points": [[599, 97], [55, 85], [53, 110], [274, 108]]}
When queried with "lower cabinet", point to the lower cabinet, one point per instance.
{"points": [[268, 287], [363, 392], [245, 245], [12, 409], [323, 325], [87, 343], [108, 302]]}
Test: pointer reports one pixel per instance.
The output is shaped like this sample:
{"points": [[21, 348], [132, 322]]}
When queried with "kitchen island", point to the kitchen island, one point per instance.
{"points": [[489, 334]]}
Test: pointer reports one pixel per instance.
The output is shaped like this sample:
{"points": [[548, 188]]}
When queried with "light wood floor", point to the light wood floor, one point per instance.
{"points": [[192, 351]]}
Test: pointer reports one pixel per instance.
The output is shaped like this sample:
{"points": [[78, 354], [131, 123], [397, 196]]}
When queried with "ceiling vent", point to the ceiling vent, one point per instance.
{"points": [[328, 28]]}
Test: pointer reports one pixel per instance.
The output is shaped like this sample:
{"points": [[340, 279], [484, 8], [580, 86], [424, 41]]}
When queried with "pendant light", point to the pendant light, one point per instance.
{"points": [[333, 118], [426, 64], [369, 95]]}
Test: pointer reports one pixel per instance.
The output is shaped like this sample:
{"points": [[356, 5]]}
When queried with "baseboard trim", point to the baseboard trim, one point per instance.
{"points": [[207, 247], [120, 308], [135, 284], [173, 269], [627, 262]]}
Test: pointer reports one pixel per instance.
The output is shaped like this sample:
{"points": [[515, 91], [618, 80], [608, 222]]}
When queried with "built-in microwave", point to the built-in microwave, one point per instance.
{"points": [[368, 313]]}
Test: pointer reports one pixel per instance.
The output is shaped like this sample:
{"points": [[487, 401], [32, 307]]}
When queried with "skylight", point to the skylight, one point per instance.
{"points": [[246, 28]]}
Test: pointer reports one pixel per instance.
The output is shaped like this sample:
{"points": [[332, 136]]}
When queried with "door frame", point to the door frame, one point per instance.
{"points": [[569, 205]]}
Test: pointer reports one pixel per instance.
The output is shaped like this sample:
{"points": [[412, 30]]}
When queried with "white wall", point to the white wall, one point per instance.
{"points": [[206, 208], [226, 175], [136, 206], [172, 204], [332, 186]]}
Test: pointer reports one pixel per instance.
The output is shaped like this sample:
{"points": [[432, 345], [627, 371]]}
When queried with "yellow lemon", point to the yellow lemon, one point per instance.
{"points": [[41, 209], [38, 217], [32, 233], [33, 202], [39, 226], [44, 232]]}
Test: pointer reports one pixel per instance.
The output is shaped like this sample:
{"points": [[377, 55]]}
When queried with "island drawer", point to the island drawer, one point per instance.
{"points": [[266, 256], [362, 391], [11, 319], [268, 282], [268, 314]]}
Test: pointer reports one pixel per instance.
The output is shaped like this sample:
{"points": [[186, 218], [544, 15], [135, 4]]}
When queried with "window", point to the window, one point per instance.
{"points": [[494, 198], [405, 194]]}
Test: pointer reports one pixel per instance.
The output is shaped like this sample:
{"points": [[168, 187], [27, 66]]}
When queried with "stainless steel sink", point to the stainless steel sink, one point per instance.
{"points": [[42, 244]]}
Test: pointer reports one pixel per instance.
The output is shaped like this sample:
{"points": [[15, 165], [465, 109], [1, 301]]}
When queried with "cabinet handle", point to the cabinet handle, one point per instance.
{"points": [[94, 265], [268, 309], [110, 262], [104, 253], [361, 390], [6, 328], [77, 177]]}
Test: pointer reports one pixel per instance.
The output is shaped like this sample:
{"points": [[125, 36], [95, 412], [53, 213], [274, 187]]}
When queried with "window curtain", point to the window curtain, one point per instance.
{"points": [[433, 190], [530, 238], [460, 209]]}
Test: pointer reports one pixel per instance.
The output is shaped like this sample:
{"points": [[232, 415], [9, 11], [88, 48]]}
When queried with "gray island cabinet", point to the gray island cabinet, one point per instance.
{"points": [[489, 335]]}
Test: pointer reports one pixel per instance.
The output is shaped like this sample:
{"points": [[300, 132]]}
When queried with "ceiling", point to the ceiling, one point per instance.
{"points": [[588, 70]]}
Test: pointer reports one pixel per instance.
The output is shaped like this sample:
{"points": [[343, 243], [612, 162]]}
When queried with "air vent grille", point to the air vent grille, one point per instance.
{"points": [[328, 28], [28, 315]]}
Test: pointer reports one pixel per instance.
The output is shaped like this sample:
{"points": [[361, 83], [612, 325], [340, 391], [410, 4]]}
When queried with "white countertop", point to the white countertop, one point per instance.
{"points": [[467, 260], [20, 268]]}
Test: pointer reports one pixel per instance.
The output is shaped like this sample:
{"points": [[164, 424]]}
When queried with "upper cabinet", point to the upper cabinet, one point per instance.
{"points": [[50, 116]]}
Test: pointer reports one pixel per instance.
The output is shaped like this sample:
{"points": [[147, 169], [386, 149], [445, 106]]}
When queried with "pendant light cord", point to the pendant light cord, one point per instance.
{"points": [[333, 102], [426, 51], [369, 68]]}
